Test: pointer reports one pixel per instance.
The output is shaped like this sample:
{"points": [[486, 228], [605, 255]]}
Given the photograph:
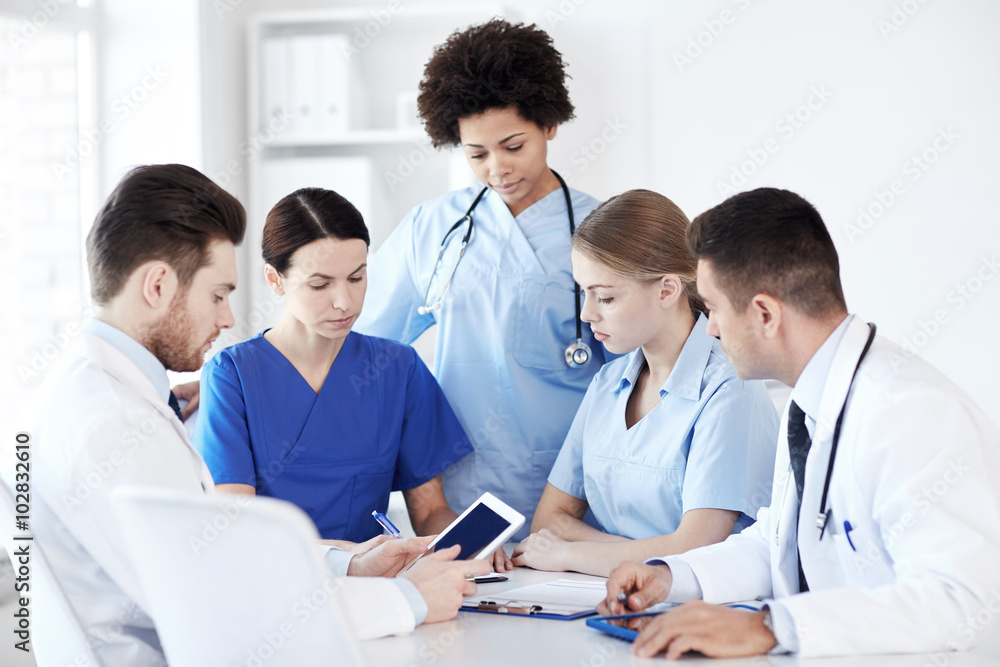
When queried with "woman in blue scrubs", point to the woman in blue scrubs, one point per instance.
{"points": [[508, 312], [314, 413], [669, 449]]}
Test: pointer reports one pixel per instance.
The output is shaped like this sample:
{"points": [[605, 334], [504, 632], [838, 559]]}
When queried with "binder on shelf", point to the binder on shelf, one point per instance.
{"points": [[333, 84], [303, 72], [274, 80]]}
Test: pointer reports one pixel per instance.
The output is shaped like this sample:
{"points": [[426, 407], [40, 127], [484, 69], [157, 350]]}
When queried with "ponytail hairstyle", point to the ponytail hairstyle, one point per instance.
{"points": [[308, 215], [641, 234]]}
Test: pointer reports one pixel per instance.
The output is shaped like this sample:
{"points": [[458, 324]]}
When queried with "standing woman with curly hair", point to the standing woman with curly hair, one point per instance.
{"points": [[512, 357]]}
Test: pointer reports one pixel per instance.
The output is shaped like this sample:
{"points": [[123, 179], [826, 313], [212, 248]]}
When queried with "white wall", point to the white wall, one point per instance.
{"points": [[148, 90], [886, 78]]}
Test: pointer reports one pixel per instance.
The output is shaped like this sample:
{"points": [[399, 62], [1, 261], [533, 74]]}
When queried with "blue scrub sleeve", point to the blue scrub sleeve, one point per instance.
{"points": [[221, 433], [432, 439], [393, 295], [567, 471], [726, 439]]}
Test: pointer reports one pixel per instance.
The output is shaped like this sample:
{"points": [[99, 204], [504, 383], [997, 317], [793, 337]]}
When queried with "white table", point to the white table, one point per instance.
{"points": [[488, 640]]}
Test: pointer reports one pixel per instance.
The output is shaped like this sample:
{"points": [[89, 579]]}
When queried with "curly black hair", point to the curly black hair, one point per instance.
{"points": [[494, 65]]}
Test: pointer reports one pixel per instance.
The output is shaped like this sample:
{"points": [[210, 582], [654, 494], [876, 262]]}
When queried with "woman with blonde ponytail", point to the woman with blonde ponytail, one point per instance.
{"points": [[669, 449]]}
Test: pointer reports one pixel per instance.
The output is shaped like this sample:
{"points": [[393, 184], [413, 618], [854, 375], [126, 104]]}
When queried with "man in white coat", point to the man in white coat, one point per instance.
{"points": [[162, 265], [890, 544]]}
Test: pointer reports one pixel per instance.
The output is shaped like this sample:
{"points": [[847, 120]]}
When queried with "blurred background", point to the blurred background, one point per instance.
{"points": [[882, 113]]}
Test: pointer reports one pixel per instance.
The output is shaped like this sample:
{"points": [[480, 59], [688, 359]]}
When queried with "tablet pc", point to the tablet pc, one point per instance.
{"points": [[625, 626], [479, 530]]}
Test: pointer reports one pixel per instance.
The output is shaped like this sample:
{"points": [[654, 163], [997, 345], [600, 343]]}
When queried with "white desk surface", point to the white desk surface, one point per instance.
{"points": [[488, 640]]}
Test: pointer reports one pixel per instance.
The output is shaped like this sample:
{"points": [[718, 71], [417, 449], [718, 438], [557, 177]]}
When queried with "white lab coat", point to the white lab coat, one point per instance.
{"points": [[917, 475], [99, 424]]}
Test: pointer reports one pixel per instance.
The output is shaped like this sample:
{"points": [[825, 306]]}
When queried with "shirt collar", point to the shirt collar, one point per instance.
{"points": [[685, 380], [808, 390], [134, 351]]}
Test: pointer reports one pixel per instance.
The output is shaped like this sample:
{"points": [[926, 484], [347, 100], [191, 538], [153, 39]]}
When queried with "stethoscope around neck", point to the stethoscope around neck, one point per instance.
{"points": [[824, 514], [577, 353]]}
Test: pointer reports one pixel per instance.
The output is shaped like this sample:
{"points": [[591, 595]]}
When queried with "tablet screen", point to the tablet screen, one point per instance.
{"points": [[479, 527]]}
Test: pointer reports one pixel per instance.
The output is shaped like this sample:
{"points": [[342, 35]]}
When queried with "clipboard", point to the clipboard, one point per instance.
{"points": [[563, 600], [527, 609]]}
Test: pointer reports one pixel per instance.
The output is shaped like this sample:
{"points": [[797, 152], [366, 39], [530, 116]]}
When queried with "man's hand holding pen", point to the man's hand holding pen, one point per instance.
{"points": [[633, 587], [719, 632]]}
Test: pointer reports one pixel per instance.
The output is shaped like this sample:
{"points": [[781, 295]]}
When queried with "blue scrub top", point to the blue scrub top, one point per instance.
{"points": [[709, 443], [380, 423], [502, 333]]}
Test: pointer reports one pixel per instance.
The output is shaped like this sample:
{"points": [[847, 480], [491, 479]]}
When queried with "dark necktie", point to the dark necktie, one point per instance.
{"points": [[798, 450], [175, 406]]}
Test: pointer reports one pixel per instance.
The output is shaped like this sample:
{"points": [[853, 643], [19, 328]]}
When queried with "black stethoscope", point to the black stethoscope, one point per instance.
{"points": [[578, 353], [824, 516]]}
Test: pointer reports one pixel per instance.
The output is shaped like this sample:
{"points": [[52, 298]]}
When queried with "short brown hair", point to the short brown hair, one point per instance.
{"points": [[167, 212], [640, 234], [774, 242], [494, 65]]}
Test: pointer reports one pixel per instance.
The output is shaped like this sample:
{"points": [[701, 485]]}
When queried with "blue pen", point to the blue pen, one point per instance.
{"points": [[385, 523], [847, 532]]}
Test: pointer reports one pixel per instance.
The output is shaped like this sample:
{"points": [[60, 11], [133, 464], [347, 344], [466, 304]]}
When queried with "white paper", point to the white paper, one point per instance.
{"points": [[568, 592]]}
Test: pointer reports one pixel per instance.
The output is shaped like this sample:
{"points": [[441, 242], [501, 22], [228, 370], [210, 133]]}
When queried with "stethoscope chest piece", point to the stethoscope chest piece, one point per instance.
{"points": [[578, 354]]}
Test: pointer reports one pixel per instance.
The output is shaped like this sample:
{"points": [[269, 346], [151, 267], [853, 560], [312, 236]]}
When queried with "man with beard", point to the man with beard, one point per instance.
{"points": [[162, 266]]}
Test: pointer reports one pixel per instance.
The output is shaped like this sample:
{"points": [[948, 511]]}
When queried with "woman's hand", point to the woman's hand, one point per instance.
{"points": [[501, 563], [543, 550]]}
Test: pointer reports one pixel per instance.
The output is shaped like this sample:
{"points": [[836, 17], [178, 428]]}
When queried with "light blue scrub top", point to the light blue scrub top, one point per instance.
{"points": [[708, 444], [502, 333]]}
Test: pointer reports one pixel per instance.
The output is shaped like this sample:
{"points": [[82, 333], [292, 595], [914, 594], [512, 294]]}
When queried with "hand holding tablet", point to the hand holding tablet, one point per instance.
{"points": [[479, 530]]}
